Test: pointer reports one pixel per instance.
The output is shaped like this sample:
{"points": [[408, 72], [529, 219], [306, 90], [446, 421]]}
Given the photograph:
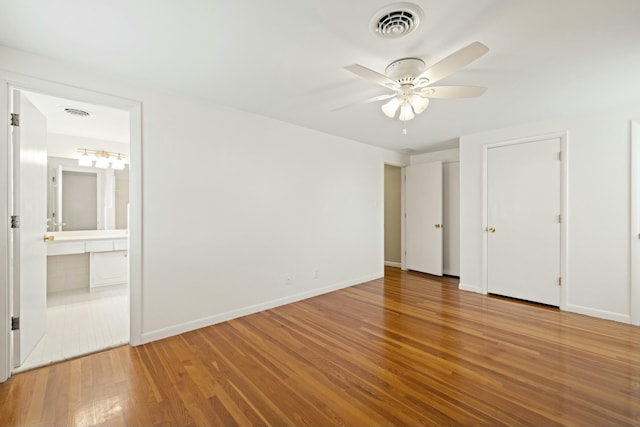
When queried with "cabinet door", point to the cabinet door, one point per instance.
{"points": [[108, 268]]}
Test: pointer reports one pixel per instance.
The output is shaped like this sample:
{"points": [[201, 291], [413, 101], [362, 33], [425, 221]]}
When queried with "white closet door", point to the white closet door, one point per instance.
{"points": [[523, 221], [423, 223], [30, 204]]}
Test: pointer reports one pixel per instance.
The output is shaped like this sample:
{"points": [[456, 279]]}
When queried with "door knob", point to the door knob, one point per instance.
{"points": [[438, 226], [492, 230], [49, 238]]}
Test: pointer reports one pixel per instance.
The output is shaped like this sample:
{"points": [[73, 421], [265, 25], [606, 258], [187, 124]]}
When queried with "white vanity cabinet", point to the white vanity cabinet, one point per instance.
{"points": [[108, 268], [108, 256]]}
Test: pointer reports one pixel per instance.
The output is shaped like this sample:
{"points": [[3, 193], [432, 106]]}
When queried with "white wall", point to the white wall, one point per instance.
{"points": [[598, 156], [451, 205], [233, 202]]}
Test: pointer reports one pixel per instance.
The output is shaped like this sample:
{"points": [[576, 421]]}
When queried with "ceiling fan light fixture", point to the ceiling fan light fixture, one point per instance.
{"points": [[406, 112], [389, 109], [418, 103]]}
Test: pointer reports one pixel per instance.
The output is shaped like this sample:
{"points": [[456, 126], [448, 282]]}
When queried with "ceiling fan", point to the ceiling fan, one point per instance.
{"points": [[411, 83]]}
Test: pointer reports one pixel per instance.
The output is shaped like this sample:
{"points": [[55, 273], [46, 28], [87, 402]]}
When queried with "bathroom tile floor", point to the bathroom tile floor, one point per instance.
{"points": [[81, 322]]}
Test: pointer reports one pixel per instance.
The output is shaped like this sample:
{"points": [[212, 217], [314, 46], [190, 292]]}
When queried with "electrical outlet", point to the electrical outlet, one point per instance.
{"points": [[316, 274], [288, 279]]}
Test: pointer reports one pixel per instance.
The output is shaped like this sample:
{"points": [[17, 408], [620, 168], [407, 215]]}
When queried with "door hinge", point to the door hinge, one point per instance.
{"points": [[559, 281], [15, 323], [560, 155], [15, 119], [560, 219], [15, 221]]}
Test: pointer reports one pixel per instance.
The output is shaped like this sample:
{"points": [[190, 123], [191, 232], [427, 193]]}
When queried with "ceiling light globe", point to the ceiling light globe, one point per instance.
{"points": [[406, 112], [85, 160], [117, 164], [102, 162], [389, 109], [418, 103]]}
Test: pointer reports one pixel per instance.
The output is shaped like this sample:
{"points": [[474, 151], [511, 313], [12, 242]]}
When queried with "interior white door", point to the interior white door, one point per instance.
{"points": [[423, 223], [523, 229], [30, 204]]}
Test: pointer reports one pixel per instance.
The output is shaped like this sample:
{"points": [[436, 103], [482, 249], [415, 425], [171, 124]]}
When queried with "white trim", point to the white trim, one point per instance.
{"points": [[233, 314], [470, 288], [393, 264], [564, 196], [5, 242], [18, 81], [403, 225], [602, 314], [634, 290]]}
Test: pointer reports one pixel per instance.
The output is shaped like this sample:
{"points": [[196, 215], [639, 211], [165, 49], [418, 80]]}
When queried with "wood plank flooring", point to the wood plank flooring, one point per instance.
{"points": [[409, 349]]}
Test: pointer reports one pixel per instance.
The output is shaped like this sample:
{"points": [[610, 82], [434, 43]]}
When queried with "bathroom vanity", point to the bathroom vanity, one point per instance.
{"points": [[107, 252]]}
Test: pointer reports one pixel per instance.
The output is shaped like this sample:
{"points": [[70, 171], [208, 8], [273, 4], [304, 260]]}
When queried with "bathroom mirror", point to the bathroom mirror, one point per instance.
{"points": [[86, 198]]}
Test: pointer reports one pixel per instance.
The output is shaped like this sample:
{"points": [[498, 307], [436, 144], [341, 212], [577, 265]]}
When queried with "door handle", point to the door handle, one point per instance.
{"points": [[491, 230], [49, 238], [439, 226]]}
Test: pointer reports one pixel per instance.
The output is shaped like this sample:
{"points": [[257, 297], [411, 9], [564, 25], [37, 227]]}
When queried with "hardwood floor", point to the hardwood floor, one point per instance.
{"points": [[409, 349]]}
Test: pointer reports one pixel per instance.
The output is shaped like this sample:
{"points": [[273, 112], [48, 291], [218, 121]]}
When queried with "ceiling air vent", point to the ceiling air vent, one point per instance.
{"points": [[396, 20], [77, 113]]}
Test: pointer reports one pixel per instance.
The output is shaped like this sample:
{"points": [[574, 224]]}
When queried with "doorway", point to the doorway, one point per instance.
{"points": [[524, 210], [84, 312], [392, 216], [12, 310]]}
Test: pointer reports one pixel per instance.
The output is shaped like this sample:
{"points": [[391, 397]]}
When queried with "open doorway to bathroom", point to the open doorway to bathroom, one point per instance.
{"points": [[392, 215], [86, 237]]}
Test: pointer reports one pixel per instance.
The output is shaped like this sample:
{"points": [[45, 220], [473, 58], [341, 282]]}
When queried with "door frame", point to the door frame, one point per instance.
{"points": [[9, 81], [634, 240], [564, 228]]}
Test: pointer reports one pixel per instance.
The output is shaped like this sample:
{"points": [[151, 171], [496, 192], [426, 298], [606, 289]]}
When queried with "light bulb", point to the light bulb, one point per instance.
{"points": [[102, 162], [389, 109], [117, 163], [85, 159], [418, 103], [406, 113]]}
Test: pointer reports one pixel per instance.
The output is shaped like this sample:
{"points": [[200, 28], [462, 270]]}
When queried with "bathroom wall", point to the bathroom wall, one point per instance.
{"points": [[122, 198], [80, 201]]}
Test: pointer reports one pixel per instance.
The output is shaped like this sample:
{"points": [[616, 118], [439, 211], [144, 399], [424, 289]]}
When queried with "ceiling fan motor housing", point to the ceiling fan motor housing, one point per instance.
{"points": [[405, 70]]}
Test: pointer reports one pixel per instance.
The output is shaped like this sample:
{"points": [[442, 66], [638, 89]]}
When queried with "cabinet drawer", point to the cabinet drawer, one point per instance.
{"points": [[66, 248], [120, 245], [99, 246]]}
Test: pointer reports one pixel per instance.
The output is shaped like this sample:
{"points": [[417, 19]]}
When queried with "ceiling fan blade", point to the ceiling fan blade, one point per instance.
{"points": [[452, 91], [366, 101], [373, 76], [453, 62]]}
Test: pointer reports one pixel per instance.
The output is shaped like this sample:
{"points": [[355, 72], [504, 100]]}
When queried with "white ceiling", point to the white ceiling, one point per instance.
{"points": [[284, 58], [105, 123]]}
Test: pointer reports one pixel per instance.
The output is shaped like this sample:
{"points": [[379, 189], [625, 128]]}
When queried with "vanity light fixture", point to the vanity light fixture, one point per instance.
{"points": [[102, 159]]}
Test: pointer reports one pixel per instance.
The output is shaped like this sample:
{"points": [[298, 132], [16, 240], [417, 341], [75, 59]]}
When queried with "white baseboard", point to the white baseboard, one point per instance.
{"points": [[602, 314], [470, 288], [233, 314], [393, 264]]}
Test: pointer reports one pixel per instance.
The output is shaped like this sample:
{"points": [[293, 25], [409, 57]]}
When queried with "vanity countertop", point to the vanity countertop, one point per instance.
{"points": [[84, 235]]}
